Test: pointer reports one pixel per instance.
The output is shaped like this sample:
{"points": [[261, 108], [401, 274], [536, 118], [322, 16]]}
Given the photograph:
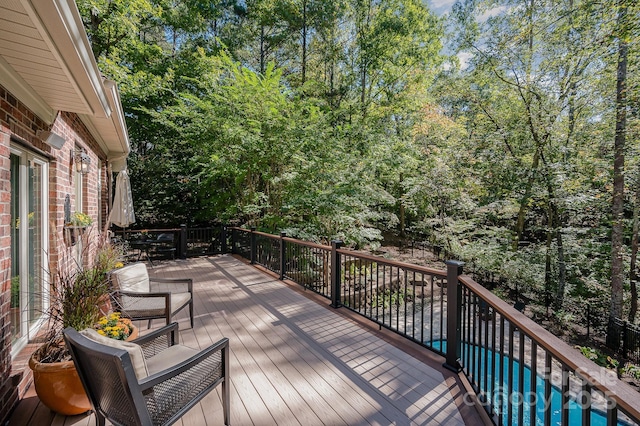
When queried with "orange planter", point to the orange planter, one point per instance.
{"points": [[134, 334], [59, 387]]}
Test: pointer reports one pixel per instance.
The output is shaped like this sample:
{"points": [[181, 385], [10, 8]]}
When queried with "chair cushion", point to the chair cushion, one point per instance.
{"points": [[178, 300], [135, 351], [152, 306], [169, 357], [133, 277]]}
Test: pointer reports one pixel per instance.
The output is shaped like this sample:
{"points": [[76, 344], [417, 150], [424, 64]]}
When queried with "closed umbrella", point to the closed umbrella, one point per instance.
{"points": [[122, 210]]}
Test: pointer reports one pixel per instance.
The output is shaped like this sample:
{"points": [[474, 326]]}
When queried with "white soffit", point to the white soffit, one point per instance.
{"points": [[47, 63], [44, 43]]}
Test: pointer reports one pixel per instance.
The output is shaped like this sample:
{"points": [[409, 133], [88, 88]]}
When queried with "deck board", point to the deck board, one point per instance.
{"points": [[294, 360]]}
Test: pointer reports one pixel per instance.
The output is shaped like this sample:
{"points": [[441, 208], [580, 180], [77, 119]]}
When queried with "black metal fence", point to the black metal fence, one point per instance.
{"points": [[627, 336]]}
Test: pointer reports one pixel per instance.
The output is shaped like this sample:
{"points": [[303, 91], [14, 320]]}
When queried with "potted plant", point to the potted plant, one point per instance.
{"points": [[77, 225], [76, 297], [116, 327]]}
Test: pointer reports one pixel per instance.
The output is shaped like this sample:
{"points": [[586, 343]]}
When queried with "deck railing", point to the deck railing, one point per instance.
{"points": [[186, 242], [520, 373]]}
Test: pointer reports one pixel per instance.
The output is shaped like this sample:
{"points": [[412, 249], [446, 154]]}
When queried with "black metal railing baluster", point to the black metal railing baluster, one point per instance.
{"points": [[414, 303], [521, 390], [382, 294], [486, 385], [510, 377], [612, 413], [377, 293], [564, 417], [472, 342], [431, 316], [493, 362], [503, 397], [370, 293], [585, 402], [533, 383], [547, 389], [397, 296]]}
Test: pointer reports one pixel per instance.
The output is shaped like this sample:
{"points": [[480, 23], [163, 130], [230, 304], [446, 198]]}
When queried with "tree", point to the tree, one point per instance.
{"points": [[617, 211]]}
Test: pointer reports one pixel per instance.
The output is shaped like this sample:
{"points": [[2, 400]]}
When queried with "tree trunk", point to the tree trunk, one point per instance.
{"points": [[304, 41], [525, 199], [617, 210], [401, 211], [363, 89], [262, 50], [555, 227], [547, 262], [562, 267], [633, 275]]}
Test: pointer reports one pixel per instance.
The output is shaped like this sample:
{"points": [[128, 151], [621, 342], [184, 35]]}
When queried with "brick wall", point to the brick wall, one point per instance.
{"points": [[8, 392], [18, 122]]}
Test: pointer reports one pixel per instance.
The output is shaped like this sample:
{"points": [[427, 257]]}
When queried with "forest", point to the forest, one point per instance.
{"points": [[504, 132]]}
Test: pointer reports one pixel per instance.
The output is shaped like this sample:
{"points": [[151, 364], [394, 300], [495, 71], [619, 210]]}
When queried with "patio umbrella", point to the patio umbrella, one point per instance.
{"points": [[122, 210]]}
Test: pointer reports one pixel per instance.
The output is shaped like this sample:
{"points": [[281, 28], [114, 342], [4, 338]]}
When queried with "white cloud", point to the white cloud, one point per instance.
{"points": [[491, 13], [464, 58], [441, 7], [437, 4]]}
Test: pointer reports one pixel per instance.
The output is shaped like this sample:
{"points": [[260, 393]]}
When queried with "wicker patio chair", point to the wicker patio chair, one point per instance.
{"points": [[150, 381], [139, 297]]}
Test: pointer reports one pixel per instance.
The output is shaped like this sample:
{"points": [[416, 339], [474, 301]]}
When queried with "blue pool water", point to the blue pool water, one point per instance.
{"points": [[598, 418]]}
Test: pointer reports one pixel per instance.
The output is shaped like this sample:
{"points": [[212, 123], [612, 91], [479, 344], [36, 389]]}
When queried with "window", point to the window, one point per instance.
{"points": [[29, 244]]}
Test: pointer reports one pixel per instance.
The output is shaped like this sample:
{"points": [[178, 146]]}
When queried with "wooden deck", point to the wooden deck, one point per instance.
{"points": [[295, 360]]}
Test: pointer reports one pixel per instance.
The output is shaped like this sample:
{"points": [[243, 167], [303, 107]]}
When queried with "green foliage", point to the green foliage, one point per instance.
{"points": [[598, 357], [15, 291], [631, 370], [75, 299], [389, 298], [342, 119]]}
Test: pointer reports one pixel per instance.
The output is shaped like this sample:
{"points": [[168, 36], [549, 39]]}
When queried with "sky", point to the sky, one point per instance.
{"points": [[440, 7]]}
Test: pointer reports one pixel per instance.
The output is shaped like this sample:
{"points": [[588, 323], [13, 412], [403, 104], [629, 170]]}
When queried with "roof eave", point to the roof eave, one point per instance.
{"points": [[23, 91], [61, 26]]}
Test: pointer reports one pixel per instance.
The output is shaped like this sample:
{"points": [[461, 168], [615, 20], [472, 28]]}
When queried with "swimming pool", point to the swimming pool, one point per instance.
{"points": [[598, 418]]}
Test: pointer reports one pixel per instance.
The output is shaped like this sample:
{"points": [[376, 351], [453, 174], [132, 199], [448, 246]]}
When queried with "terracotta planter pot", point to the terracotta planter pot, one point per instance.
{"points": [[59, 387], [134, 334]]}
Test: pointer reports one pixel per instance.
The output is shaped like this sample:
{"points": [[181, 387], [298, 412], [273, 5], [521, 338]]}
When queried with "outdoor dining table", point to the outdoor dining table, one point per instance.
{"points": [[146, 247]]}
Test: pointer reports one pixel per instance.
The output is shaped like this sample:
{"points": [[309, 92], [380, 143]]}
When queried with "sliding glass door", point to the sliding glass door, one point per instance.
{"points": [[29, 244]]}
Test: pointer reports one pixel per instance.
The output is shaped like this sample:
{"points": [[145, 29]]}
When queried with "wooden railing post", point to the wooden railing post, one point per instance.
{"points": [[335, 274], [454, 296], [283, 260], [254, 248], [182, 249]]}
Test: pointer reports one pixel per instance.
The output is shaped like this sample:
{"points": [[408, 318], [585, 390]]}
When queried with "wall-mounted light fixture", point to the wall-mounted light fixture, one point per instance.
{"points": [[50, 138], [82, 160]]}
